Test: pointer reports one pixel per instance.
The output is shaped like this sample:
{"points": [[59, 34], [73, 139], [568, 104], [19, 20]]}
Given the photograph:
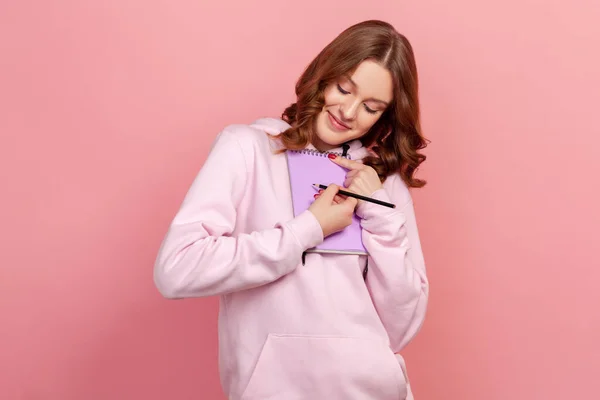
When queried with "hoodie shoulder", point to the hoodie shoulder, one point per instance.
{"points": [[257, 136], [398, 189], [272, 126], [256, 129]]}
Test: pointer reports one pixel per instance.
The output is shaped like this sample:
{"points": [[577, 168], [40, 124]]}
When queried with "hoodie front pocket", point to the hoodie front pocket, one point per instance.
{"points": [[322, 367]]}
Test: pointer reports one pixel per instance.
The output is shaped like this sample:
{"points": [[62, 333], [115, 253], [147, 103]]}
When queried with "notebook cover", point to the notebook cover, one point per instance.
{"points": [[307, 167]]}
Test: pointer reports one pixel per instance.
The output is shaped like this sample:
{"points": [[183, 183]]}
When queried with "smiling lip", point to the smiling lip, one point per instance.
{"points": [[337, 124]]}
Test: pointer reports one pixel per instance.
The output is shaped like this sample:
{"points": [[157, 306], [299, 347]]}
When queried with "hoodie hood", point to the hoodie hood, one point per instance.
{"points": [[274, 126]]}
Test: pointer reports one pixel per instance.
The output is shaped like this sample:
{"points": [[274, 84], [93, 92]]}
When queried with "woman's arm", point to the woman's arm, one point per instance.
{"points": [[199, 257], [396, 277]]}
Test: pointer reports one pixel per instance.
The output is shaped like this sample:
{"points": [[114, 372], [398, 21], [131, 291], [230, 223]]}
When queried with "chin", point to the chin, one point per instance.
{"points": [[327, 140], [330, 138]]}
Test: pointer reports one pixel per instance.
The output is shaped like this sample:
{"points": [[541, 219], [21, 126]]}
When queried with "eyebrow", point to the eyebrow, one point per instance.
{"points": [[385, 103]]}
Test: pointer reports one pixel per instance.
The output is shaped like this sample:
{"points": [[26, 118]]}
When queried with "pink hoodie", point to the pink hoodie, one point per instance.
{"points": [[289, 330]]}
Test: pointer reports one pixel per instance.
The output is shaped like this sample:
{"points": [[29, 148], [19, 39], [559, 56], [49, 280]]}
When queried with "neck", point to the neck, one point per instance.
{"points": [[322, 146]]}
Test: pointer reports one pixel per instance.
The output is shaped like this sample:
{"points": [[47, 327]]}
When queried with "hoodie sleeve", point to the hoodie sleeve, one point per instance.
{"points": [[200, 255], [396, 277]]}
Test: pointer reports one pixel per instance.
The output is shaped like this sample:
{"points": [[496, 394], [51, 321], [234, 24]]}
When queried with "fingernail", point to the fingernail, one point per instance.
{"points": [[332, 156], [316, 195], [321, 191]]}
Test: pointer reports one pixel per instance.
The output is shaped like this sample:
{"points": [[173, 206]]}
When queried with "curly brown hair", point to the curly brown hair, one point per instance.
{"points": [[396, 137]]}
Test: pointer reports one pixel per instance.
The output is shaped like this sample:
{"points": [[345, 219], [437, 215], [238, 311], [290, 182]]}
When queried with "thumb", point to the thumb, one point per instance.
{"points": [[350, 202], [330, 192]]}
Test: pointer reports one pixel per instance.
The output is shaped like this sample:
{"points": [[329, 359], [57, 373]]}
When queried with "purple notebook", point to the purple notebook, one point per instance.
{"points": [[307, 167]]}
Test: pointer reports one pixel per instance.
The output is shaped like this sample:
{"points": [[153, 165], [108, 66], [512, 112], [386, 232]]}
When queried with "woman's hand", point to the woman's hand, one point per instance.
{"points": [[360, 179], [333, 212]]}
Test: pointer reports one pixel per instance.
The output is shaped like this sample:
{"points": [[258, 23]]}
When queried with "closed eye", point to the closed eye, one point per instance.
{"points": [[342, 91], [370, 110]]}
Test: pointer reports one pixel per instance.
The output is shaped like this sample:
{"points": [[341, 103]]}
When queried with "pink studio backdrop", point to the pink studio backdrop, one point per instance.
{"points": [[108, 110]]}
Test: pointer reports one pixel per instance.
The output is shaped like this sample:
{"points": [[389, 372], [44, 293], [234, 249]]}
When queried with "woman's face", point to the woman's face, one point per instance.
{"points": [[353, 104]]}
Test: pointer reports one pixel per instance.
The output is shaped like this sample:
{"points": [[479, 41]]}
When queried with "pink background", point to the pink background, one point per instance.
{"points": [[108, 109]]}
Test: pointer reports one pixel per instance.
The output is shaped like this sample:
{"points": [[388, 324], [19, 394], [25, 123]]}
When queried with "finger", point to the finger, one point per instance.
{"points": [[352, 173], [330, 192], [351, 177], [346, 163], [351, 202], [338, 199]]}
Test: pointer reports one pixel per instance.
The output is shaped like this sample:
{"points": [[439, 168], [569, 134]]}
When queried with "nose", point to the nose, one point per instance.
{"points": [[349, 108]]}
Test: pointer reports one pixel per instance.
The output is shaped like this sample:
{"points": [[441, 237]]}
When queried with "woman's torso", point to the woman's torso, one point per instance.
{"points": [[312, 334]]}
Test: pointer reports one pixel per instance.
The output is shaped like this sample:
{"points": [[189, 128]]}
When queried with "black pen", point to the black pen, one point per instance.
{"points": [[358, 196]]}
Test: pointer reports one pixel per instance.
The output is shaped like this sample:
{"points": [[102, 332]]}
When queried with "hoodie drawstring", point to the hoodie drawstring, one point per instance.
{"points": [[345, 148]]}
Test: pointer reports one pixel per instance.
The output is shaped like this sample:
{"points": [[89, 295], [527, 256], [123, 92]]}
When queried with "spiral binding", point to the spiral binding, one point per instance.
{"points": [[318, 153]]}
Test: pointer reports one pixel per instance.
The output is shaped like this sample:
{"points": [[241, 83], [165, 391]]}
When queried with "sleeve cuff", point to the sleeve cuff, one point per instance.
{"points": [[306, 229], [368, 210]]}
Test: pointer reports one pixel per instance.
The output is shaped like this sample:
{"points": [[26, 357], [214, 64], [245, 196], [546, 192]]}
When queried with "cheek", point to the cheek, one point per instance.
{"points": [[321, 119], [331, 97]]}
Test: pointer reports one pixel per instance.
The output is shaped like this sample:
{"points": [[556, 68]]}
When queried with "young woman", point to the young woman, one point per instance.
{"points": [[296, 325]]}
